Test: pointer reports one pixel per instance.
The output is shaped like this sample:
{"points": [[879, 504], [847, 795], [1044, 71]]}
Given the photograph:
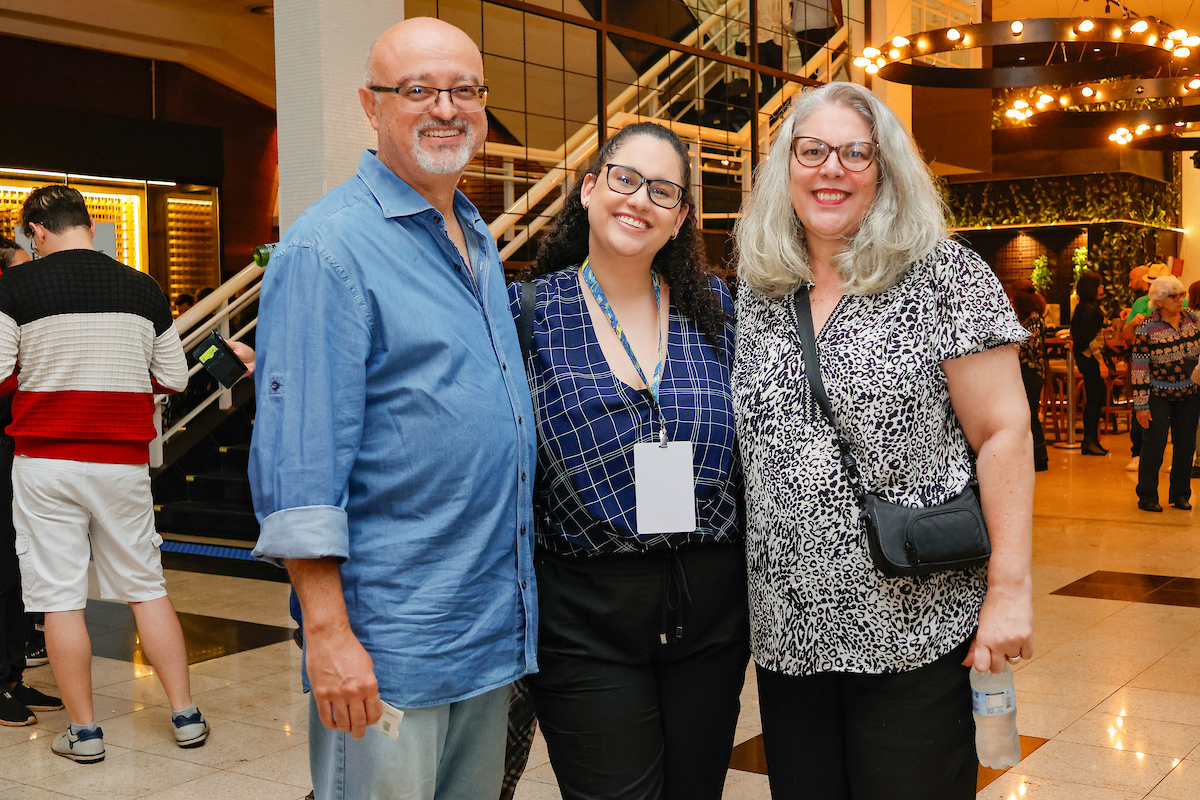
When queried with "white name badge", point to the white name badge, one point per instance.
{"points": [[665, 485]]}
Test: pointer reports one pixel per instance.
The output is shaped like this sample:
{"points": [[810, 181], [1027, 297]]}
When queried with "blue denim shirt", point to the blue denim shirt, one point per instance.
{"points": [[394, 432]]}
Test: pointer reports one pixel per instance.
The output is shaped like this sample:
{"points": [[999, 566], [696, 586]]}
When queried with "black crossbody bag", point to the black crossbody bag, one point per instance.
{"points": [[904, 541]]}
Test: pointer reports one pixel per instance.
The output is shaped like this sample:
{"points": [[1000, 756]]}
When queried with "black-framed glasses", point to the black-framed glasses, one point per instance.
{"points": [[812, 152], [420, 99], [627, 180]]}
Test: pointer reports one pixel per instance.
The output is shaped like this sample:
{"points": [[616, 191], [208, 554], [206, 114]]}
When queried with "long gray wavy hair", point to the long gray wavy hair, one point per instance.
{"points": [[904, 223]]}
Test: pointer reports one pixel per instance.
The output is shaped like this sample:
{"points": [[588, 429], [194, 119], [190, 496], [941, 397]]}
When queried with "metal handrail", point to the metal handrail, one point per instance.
{"points": [[211, 313]]}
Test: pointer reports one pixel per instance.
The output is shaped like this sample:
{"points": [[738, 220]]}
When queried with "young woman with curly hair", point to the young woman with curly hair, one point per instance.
{"points": [[643, 639]]}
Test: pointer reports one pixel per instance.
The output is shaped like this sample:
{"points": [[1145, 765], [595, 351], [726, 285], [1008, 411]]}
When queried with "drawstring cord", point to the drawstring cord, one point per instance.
{"points": [[676, 598]]}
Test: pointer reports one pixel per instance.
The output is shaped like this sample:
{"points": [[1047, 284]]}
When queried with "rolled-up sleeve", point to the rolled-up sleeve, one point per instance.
{"points": [[313, 345]]}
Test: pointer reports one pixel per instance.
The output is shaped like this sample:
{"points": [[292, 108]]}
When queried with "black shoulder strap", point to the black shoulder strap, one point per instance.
{"points": [[525, 321], [812, 368], [808, 346]]}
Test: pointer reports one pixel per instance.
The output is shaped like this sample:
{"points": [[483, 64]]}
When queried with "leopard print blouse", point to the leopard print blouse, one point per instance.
{"points": [[817, 604]]}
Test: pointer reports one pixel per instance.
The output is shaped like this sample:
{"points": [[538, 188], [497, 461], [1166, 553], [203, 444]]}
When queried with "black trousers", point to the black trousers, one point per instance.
{"points": [[1033, 393], [843, 736], [770, 54], [1093, 389], [638, 689], [1179, 418], [12, 607]]}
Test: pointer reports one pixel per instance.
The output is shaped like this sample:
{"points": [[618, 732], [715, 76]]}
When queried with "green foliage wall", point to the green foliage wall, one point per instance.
{"points": [[1064, 198], [1113, 247]]}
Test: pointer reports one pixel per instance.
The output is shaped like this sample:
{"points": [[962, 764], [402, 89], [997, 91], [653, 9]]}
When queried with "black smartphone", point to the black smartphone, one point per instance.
{"points": [[218, 358]]}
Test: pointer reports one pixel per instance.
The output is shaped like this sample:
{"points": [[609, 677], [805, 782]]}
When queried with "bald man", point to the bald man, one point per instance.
{"points": [[393, 452]]}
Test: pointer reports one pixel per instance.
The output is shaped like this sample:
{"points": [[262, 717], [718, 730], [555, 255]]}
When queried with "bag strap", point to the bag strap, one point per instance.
{"points": [[812, 368], [525, 320]]}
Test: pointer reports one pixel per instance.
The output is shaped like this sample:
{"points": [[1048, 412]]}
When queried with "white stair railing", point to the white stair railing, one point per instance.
{"points": [[213, 313]]}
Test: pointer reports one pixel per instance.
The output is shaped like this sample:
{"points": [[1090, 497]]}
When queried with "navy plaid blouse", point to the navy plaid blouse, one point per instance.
{"points": [[589, 420]]}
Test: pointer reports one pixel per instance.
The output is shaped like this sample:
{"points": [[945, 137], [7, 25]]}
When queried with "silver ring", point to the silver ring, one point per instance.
{"points": [[1013, 659]]}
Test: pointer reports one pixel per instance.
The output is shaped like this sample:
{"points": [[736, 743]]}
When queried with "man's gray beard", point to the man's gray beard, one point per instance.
{"points": [[446, 162]]}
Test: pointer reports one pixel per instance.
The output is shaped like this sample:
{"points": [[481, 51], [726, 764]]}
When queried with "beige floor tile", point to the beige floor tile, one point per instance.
{"points": [[1133, 734], [282, 657], [542, 774], [745, 733], [130, 774], [1064, 666], [1170, 675], [104, 708], [1012, 785], [745, 786], [32, 793], [291, 718], [6, 785], [1047, 578], [150, 692], [1092, 647], [538, 755], [107, 671], [287, 681], [15, 736], [32, 760], [141, 730], [1182, 783], [1077, 613], [1054, 690], [238, 702], [245, 599], [535, 790], [1154, 704], [231, 743], [228, 786], [285, 766], [1044, 722], [1096, 766], [1149, 621]]}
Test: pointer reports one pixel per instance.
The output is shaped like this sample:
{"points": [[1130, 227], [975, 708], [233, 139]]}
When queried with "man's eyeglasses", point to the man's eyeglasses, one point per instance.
{"points": [[626, 180], [419, 99], [855, 156]]}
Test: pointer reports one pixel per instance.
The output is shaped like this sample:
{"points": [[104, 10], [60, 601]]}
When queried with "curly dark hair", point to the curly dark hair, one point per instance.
{"points": [[681, 261]]}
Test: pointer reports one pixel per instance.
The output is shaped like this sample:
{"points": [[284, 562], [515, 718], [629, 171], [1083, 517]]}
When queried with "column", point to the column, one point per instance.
{"points": [[320, 60]]}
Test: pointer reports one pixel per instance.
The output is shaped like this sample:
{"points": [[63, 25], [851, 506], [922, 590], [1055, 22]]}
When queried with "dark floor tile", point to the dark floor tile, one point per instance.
{"points": [[114, 634], [1179, 592], [188, 562], [749, 756], [987, 774], [1130, 586]]}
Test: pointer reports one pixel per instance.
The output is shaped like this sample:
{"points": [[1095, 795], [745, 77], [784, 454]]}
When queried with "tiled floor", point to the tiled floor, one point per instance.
{"points": [[1114, 687]]}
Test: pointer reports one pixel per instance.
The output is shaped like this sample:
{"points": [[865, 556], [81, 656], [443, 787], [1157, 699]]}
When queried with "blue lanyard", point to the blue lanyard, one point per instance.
{"points": [[589, 278]]}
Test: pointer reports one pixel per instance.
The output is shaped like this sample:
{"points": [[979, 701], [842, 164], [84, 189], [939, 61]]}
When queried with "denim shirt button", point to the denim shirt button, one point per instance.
{"points": [[522, 584], [522, 476]]}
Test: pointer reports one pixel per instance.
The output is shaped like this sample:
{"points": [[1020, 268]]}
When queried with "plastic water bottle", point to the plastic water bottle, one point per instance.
{"points": [[994, 703]]}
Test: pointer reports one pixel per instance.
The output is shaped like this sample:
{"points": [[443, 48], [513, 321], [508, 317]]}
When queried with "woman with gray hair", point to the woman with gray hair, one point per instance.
{"points": [[1167, 400], [861, 679]]}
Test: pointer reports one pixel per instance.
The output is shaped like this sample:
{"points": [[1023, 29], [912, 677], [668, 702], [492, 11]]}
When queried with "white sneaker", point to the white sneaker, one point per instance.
{"points": [[1132, 466]]}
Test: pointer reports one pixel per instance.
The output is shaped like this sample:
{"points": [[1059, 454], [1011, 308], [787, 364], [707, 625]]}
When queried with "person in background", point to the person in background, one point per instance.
{"points": [[1087, 324], [95, 342], [1029, 305], [18, 702], [183, 302], [861, 679], [643, 641], [1194, 302], [1165, 352], [1134, 317], [774, 39]]}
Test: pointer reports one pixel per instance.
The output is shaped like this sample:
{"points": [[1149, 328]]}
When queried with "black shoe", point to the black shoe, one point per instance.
{"points": [[1093, 449], [1041, 466], [35, 657], [34, 700], [1149, 505], [1182, 504], [13, 713]]}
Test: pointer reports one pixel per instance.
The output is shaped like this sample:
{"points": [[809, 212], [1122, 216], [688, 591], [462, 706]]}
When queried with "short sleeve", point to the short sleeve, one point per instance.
{"points": [[973, 313]]}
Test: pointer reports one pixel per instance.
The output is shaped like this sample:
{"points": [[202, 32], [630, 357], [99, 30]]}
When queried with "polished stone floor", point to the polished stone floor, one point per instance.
{"points": [[1109, 707]]}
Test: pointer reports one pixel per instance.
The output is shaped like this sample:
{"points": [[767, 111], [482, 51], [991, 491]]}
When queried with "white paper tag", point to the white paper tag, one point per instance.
{"points": [[389, 721], [665, 484]]}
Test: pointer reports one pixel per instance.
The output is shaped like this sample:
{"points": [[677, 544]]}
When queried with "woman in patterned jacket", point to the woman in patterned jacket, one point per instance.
{"points": [[642, 640], [1165, 351], [862, 680]]}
